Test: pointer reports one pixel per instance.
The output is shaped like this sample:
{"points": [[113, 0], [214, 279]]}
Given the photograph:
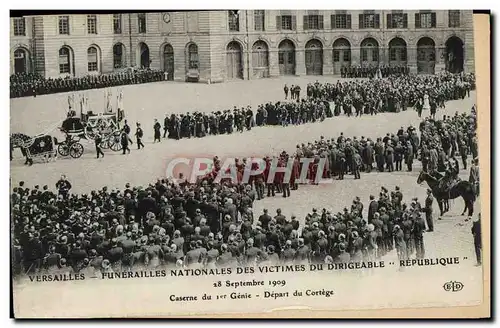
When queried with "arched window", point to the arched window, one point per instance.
{"points": [[118, 59], [193, 56], [64, 61], [92, 61]]}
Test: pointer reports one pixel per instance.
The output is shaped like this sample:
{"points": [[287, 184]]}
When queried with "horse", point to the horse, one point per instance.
{"points": [[462, 189], [34, 146]]}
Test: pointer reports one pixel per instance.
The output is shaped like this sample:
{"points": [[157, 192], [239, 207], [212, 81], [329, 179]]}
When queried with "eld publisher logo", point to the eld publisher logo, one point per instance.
{"points": [[453, 286]]}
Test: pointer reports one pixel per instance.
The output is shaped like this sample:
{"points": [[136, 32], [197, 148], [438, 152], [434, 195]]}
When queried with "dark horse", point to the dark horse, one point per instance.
{"points": [[462, 189]]}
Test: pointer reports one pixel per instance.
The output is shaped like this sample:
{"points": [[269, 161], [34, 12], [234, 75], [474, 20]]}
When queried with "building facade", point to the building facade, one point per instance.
{"points": [[216, 46]]}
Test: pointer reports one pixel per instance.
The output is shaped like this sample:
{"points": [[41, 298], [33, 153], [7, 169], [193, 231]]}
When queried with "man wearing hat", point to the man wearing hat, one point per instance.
{"points": [[476, 233], [139, 133], [474, 175], [429, 200]]}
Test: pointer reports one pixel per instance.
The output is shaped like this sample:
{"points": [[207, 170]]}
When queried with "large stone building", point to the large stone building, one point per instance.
{"points": [[249, 44]]}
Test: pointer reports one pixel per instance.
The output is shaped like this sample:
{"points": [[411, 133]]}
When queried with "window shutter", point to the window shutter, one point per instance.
{"points": [[389, 21], [361, 21], [433, 19], [405, 20], [377, 21], [305, 22], [332, 22], [278, 23], [417, 20], [348, 21], [321, 24], [294, 22]]}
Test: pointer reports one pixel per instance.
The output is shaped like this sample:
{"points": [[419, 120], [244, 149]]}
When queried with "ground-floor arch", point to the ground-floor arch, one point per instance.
{"points": [[314, 57], [286, 57], [426, 56], [341, 55], [21, 61], [454, 56], [397, 52], [260, 59], [144, 60], [369, 52], [168, 61], [234, 62]]}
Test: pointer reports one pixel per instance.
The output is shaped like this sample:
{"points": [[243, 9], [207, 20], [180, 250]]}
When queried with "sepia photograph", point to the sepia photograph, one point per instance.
{"points": [[249, 163]]}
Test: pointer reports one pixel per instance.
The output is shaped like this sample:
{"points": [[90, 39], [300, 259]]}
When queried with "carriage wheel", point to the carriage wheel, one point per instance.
{"points": [[104, 144], [76, 150], [89, 133], [115, 144], [63, 149]]}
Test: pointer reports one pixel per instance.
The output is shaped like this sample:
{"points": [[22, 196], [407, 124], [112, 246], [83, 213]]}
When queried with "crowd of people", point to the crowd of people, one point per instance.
{"points": [[193, 226], [393, 94], [358, 71], [32, 84], [210, 223]]}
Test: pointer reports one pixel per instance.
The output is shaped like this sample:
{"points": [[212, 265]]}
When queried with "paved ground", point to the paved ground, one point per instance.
{"points": [[144, 166], [146, 102]]}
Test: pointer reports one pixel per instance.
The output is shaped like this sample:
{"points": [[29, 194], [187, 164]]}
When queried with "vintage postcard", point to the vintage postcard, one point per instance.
{"points": [[250, 163]]}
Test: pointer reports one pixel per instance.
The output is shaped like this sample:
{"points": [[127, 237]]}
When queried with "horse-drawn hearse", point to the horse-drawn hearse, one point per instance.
{"points": [[75, 128]]}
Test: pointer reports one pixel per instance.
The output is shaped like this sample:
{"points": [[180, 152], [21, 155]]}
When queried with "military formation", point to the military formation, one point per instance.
{"points": [[358, 71], [32, 84], [322, 101], [212, 224]]}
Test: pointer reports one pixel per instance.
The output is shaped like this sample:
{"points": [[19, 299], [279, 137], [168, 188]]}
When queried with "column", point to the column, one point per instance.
{"points": [[327, 61], [384, 56], [300, 62], [274, 68], [355, 56], [411, 53], [440, 59]]}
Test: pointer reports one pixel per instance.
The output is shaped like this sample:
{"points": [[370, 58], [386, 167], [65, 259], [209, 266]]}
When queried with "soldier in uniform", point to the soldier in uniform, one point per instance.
{"points": [[139, 133], [124, 140], [97, 141], [474, 175], [476, 233], [428, 211], [157, 129]]}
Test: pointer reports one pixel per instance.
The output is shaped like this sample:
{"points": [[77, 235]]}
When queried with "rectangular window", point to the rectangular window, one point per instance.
{"points": [[141, 19], [397, 20], [336, 56], [19, 26], [259, 20], [91, 24], [63, 24], [313, 22], [364, 54], [369, 20], [453, 18], [392, 54], [117, 23], [347, 56], [92, 60], [234, 20], [340, 21], [286, 22], [63, 64], [425, 19]]}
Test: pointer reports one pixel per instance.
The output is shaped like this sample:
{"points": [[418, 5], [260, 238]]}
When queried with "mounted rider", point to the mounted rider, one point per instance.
{"points": [[450, 174]]}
